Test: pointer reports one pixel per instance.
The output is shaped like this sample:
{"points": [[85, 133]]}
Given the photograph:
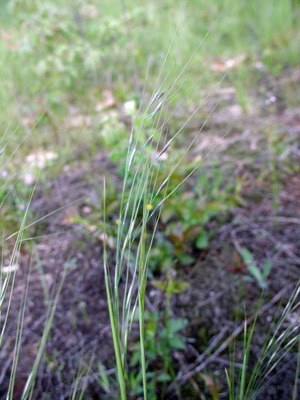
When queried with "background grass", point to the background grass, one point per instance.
{"points": [[70, 67]]}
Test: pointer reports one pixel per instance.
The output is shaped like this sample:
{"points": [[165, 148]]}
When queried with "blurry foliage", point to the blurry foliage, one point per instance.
{"points": [[185, 215], [257, 274], [160, 343], [70, 43], [162, 338], [14, 197], [187, 212]]}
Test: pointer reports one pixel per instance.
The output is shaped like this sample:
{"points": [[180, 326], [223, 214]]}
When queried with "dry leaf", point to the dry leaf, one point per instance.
{"points": [[9, 269], [71, 214], [222, 66], [107, 102], [79, 121]]}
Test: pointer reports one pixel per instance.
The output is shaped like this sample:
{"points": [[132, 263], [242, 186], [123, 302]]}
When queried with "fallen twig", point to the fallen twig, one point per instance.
{"points": [[282, 220]]}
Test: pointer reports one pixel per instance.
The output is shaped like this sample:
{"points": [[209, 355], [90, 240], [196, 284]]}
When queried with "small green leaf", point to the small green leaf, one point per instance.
{"points": [[161, 285], [178, 286], [164, 377], [266, 269], [103, 376], [185, 259], [171, 286], [166, 214], [202, 240], [247, 256], [151, 328], [177, 343], [176, 324], [215, 206], [255, 272]]}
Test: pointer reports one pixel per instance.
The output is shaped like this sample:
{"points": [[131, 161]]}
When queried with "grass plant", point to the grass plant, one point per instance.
{"points": [[12, 243], [145, 188], [251, 380], [138, 222]]}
